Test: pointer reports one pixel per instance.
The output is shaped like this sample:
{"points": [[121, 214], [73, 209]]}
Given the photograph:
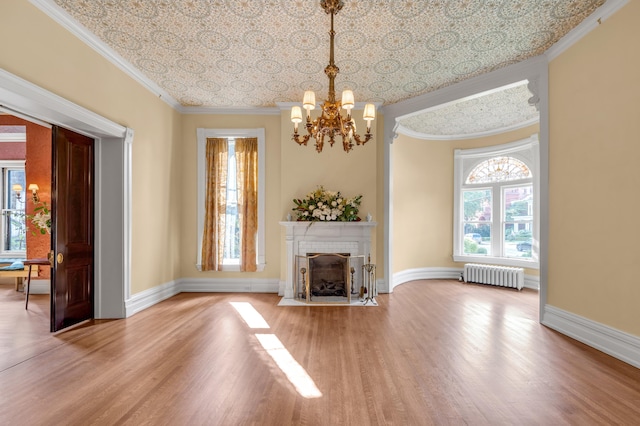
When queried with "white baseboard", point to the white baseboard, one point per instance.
{"points": [[416, 274], [403, 277], [147, 298], [532, 282], [382, 286], [233, 285], [618, 344]]}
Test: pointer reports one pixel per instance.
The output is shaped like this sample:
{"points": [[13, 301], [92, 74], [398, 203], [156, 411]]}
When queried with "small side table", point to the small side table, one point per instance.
{"points": [[30, 263]]}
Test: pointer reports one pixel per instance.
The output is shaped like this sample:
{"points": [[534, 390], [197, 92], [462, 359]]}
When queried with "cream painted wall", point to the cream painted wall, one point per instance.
{"points": [[594, 150], [353, 173], [423, 198], [40, 51], [189, 239]]}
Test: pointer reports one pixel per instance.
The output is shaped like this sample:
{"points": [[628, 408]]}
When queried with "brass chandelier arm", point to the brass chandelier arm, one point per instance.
{"points": [[359, 141], [301, 140]]}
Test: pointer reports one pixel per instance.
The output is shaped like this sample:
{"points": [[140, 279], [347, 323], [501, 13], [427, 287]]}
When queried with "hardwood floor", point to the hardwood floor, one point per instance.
{"points": [[433, 352]]}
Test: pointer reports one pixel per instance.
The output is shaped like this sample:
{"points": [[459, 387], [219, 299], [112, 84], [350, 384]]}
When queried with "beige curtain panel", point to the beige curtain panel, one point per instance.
{"points": [[247, 181], [215, 204]]}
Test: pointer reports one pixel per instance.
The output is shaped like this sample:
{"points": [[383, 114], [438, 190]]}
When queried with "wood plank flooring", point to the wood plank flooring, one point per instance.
{"points": [[434, 352]]}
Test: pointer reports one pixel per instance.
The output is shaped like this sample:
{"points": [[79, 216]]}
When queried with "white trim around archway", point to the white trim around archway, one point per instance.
{"points": [[113, 183], [534, 70]]}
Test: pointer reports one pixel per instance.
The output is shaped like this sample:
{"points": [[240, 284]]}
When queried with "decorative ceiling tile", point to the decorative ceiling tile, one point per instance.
{"points": [[493, 112], [276, 49]]}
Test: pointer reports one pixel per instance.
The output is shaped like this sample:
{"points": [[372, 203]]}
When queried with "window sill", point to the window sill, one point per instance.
{"points": [[503, 261], [232, 268]]}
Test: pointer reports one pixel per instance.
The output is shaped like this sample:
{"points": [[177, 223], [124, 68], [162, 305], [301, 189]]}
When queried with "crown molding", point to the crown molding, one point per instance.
{"points": [[524, 70], [591, 22], [56, 13], [417, 135]]}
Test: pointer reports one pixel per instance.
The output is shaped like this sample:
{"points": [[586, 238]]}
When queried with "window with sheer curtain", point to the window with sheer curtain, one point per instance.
{"points": [[230, 200]]}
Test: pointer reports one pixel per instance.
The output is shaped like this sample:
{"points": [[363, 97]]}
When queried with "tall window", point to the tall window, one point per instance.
{"points": [[496, 205], [13, 219], [231, 199], [232, 222]]}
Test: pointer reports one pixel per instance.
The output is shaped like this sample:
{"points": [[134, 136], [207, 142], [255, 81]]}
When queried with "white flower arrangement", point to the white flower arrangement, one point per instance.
{"points": [[41, 218], [327, 206]]}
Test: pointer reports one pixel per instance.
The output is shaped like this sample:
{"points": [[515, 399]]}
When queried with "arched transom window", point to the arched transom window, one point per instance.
{"points": [[499, 169]]}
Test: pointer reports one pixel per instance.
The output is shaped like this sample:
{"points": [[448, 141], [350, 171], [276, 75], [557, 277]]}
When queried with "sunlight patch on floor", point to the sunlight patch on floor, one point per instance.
{"points": [[289, 366], [250, 315], [296, 374]]}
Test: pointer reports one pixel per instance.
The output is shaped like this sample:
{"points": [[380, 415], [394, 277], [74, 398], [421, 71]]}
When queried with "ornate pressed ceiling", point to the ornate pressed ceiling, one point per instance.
{"points": [[253, 54]]}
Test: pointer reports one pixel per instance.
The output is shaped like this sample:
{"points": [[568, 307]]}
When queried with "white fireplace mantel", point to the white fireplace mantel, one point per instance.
{"points": [[302, 238]]}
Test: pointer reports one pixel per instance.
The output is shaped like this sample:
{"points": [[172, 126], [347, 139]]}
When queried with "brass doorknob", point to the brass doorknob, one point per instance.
{"points": [[60, 258]]}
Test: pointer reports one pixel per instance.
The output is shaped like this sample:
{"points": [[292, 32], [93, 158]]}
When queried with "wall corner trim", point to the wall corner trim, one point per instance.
{"points": [[618, 344]]}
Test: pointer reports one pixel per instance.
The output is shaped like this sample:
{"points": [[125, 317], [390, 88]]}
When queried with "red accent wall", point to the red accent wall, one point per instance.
{"points": [[37, 155]]}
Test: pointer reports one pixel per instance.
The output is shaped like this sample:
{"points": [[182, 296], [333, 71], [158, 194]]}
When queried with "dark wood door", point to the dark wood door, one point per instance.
{"points": [[72, 228]]}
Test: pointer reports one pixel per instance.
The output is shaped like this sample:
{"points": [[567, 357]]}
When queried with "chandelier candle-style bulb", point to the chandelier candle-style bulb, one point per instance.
{"points": [[296, 116], [347, 100], [369, 115], [331, 123], [309, 101]]}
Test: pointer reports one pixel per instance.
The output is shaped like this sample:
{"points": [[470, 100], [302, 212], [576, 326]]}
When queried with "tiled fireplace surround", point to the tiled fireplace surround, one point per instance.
{"points": [[303, 238]]}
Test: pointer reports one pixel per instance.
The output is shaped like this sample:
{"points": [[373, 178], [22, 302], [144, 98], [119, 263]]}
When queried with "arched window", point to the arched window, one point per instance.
{"points": [[499, 169], [496, 207]]}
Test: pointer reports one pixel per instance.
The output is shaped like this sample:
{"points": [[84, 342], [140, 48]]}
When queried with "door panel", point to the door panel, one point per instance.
{"points": [[72, 228]]}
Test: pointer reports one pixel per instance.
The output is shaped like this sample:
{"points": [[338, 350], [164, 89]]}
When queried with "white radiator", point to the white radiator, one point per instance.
{"points": [[495, 275]]}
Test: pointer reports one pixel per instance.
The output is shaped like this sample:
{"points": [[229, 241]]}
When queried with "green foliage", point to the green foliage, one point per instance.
{"points": [[471, 247], [39, 222], [474, 202], [517, 208]]}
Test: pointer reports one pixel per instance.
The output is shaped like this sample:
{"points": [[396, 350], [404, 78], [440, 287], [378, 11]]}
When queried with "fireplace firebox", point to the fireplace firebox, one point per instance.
{"points": [[328, 274], [328, 277], [303, 238]]}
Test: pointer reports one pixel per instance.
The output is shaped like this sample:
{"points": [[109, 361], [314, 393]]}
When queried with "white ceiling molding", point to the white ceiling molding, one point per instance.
{"points": [[487, 113], [424, 136], [63, 18], [593, 21]]}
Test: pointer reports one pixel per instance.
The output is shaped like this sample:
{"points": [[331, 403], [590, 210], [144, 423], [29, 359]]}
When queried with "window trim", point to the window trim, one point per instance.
{"points": [[202, 136], [525, 150], [11, 164]]}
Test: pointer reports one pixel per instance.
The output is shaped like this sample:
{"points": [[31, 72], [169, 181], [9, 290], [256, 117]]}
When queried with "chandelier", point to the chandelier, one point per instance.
{"points": [[331, 122]]}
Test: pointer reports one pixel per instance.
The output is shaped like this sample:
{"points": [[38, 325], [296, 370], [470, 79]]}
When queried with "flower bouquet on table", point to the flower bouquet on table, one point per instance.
{"points": [[327, 206]]}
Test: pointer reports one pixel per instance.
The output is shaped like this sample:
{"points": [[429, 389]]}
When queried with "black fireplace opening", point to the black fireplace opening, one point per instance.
{"points": [[328, 274]]}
